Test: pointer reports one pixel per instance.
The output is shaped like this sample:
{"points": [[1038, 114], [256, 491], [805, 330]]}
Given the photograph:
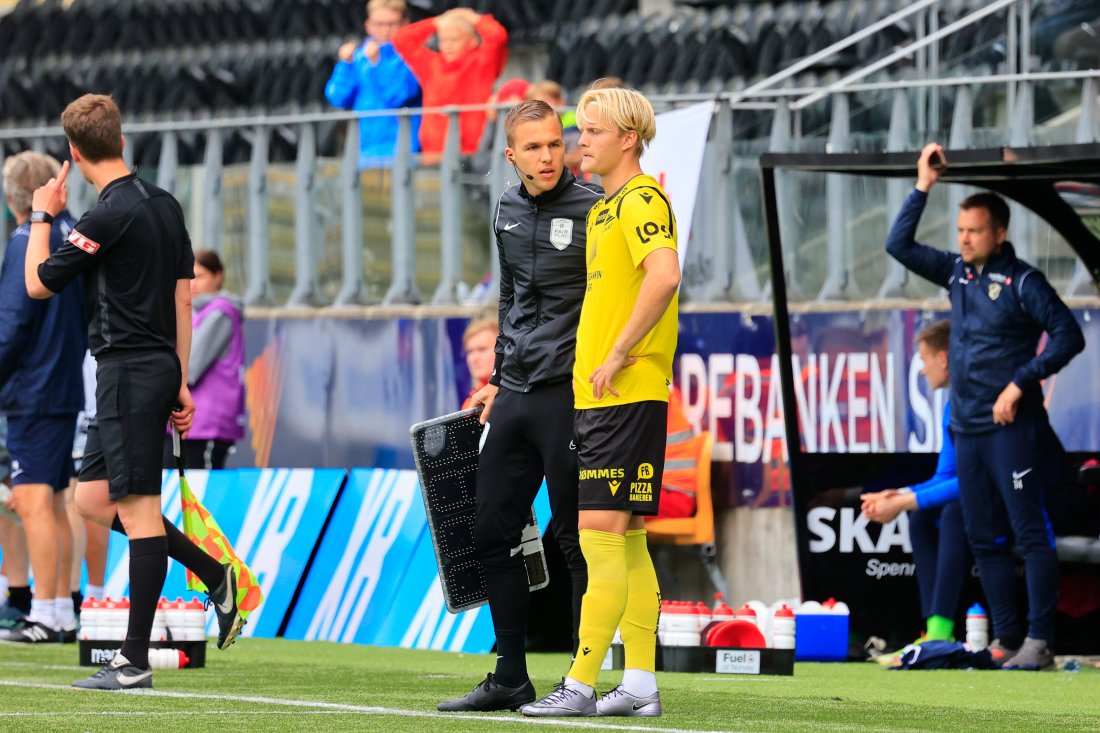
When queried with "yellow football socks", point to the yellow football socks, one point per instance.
{"points": [[638, 627], [603, 603]]}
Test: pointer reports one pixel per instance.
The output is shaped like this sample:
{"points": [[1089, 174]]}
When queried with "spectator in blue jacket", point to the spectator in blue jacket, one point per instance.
{"points": [[372, 76], [42, 346], [1000, 307], [935, 516]]}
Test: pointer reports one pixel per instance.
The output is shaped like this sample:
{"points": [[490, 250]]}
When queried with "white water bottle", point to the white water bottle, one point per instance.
{"points": [[783, 628], [977, 628], [168, 659]]}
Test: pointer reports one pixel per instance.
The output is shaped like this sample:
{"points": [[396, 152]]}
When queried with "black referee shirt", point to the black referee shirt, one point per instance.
{"points": [[134, 246]]}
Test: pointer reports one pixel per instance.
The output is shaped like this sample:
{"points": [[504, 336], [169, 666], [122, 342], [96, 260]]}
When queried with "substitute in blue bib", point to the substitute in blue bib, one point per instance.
{"points": [[936, 532]]}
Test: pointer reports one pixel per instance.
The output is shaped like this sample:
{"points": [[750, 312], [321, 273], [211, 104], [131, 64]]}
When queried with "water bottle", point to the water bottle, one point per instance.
{"points": [[168, 659], [195, 629], [977, 628], [783, 625], [1072, 666], [113, 620], [745, 613], [176, 616], [91, 621], [683, 628]]}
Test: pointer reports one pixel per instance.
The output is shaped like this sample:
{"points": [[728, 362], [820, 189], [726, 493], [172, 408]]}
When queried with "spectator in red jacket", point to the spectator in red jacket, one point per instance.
{"points": [[462, 71]]}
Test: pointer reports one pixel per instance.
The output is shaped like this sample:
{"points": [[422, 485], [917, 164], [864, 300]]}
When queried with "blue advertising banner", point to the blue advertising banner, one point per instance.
{"points": [[375, 580], [860, 391], [340, 391], [273, 518]]}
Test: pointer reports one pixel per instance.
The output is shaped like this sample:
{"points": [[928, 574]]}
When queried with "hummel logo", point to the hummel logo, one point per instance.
{"points": [[1018, 479], [586, 650], [509, 227]]}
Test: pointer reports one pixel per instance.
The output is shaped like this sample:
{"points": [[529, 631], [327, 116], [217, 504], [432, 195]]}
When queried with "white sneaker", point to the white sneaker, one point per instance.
{"points": [[621, 703]]}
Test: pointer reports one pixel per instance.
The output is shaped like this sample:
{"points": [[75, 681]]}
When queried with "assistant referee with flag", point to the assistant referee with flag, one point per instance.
{"points": [[134, 248]]}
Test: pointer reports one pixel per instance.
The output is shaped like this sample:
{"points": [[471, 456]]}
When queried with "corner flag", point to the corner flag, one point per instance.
{"points": [[202, 529]]}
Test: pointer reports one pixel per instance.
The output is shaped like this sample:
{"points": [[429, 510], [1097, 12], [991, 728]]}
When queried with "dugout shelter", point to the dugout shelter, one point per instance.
{"points": [[1061, 184]]}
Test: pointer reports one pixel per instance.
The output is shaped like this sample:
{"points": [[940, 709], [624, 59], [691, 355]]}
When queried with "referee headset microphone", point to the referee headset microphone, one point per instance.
{"points": [[512, 160]]}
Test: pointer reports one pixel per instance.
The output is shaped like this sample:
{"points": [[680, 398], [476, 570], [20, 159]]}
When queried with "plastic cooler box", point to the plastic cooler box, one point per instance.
{"points": [[821, 637]]}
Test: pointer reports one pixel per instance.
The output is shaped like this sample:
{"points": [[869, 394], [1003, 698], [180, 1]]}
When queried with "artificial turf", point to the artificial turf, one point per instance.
{"points": [[273, 685]]}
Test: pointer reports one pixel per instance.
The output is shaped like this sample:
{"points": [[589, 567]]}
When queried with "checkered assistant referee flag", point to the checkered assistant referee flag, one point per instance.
{"points": [[201, 528]]}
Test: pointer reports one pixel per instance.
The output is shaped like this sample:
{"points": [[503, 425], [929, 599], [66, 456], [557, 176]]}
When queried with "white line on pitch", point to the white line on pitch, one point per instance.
{"points": [[134, 713], [32, 665], [372, 710]]}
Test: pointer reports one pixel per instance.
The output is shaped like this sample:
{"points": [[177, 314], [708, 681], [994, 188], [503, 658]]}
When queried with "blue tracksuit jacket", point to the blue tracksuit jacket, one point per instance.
{"points": [[997, 318], [389, 84]]}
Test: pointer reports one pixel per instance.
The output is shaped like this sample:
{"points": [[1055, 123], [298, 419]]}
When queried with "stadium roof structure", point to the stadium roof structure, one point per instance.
{"points": [[1036, 177], [1056, 182]]}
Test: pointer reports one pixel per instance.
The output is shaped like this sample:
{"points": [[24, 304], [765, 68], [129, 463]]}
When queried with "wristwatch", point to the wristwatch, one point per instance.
{"points": [[41, 217]]}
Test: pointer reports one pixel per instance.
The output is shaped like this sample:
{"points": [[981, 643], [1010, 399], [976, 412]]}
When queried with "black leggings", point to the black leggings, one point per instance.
{"points": [[530, 436]]}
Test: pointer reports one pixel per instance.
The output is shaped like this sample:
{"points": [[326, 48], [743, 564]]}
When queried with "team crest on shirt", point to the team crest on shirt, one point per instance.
{"points": [[561, 232], [994, 291]]}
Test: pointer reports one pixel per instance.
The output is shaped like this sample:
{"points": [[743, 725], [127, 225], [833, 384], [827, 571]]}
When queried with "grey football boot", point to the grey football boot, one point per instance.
{"points": [[563, 702], [619, 702]]}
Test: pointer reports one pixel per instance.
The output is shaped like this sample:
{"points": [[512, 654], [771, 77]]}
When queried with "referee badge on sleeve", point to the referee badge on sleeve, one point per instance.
{"points": [[561, 233], [82, 242]]}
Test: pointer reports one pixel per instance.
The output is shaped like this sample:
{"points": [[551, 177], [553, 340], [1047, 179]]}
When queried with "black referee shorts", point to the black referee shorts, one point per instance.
{"points": [[621, 456], [135, 393]]}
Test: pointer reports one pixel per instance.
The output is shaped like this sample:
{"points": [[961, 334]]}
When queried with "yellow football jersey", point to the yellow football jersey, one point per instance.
{"points": [[622, 231]]}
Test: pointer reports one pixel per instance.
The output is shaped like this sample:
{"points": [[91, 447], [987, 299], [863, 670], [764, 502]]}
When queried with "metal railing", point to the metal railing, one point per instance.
{"points": [[726, 259]]}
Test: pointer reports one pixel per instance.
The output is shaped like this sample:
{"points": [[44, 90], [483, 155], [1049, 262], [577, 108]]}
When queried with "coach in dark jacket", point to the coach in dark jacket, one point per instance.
{"points": [[1000, 307], [528, 403], [41, 390]]}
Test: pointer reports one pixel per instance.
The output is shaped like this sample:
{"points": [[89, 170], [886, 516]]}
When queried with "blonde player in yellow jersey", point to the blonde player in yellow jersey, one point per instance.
{"points": [[625, 344]]}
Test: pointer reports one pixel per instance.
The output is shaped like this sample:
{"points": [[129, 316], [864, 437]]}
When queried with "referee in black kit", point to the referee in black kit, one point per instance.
{"points": [[540, 233], [136, 253]]}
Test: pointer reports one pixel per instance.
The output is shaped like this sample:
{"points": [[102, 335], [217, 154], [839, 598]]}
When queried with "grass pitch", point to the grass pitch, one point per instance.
{"points": [[271, 685]]}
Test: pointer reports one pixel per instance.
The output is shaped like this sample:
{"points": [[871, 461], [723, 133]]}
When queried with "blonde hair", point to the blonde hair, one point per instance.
{"points": [[545, 88], [477, 326], [607, 82], [397, 5], [450, 19], [625, 110], [23, 174]]}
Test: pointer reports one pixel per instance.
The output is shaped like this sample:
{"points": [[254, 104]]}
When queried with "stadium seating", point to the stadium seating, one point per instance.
{"points": [[207, 58]]}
